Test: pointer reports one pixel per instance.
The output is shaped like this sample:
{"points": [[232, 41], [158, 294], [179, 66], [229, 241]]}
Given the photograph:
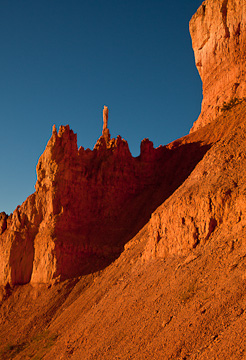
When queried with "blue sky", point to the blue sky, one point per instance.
{"points": [[61, 61]]}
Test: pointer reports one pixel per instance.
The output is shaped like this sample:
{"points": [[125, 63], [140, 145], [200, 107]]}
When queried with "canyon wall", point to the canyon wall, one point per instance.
{"points": [[218, 32]]}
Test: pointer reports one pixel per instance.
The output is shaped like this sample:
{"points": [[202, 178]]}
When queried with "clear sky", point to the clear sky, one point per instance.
{"points": [[61, 61]]}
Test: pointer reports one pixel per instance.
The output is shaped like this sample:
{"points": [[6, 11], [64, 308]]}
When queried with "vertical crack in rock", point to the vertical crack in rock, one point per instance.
{"points": [[223, 11]]}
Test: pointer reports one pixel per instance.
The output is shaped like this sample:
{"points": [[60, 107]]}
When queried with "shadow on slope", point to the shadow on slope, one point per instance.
{"points": [[171, 172]]}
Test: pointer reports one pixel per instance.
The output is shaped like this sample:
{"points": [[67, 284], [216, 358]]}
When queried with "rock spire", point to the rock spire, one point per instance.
{"points": [[105, 132], [105, 118]]}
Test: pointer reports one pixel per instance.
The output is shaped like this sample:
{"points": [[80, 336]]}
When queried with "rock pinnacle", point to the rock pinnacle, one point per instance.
{"points": [[105, 131]]}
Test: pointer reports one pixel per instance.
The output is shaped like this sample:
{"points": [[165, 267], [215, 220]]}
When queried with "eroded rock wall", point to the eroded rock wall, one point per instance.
{"points": [[218, 32], [80, 209]]}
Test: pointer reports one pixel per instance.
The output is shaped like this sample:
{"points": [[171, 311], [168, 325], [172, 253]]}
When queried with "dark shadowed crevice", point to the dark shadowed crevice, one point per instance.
{"points": [[224, 11]]}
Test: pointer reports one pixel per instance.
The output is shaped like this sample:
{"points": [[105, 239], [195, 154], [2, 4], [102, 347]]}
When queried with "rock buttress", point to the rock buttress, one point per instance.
{"points": [[218, 32]]}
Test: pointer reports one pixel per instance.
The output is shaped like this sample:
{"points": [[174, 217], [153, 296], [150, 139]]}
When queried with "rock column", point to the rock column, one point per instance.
{"points": [[105, 131]]}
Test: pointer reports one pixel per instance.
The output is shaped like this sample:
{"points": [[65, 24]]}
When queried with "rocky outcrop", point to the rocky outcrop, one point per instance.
{"points": [[105, 132], [88, 204], [218, 32], [3, 222], [78, 218]]}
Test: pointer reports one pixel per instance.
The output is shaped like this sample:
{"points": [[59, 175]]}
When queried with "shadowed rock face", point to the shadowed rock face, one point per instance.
{"points": [[218, 32], [79, 197], [87, 205], [86, 195]]}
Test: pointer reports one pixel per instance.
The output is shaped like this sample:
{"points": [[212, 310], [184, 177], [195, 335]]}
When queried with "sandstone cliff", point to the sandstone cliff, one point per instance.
{"points": [[218, 32]]}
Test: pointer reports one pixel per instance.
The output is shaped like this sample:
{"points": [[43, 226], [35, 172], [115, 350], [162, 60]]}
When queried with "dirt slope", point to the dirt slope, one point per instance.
{"points": [[161, 299]]}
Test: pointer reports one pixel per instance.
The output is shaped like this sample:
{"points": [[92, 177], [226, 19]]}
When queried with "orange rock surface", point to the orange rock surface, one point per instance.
{"points": [[218, 32]]}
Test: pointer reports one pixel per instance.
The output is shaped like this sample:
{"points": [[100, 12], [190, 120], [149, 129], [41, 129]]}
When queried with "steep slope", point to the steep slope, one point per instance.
{"points": [[176, 292]]}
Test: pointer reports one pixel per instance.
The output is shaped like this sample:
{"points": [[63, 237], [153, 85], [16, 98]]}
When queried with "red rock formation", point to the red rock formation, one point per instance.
{"points": [[79, 210], [181, 277], [78, 218], [218, 31], [3, 222]]}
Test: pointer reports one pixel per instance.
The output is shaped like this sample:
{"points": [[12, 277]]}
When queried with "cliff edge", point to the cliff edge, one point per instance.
{"points": [[218, 32]]}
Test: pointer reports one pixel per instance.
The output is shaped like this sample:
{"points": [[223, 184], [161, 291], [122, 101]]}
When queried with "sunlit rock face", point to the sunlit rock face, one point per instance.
{"points": [[218, 32]]}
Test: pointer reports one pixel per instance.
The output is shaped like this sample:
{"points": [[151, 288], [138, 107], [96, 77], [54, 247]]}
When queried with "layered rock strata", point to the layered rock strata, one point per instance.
{"points": [[218, 32]]}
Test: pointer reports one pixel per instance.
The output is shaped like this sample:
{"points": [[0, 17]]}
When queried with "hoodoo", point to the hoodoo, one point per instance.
{"points": [[105, 118], [105, 132]]}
